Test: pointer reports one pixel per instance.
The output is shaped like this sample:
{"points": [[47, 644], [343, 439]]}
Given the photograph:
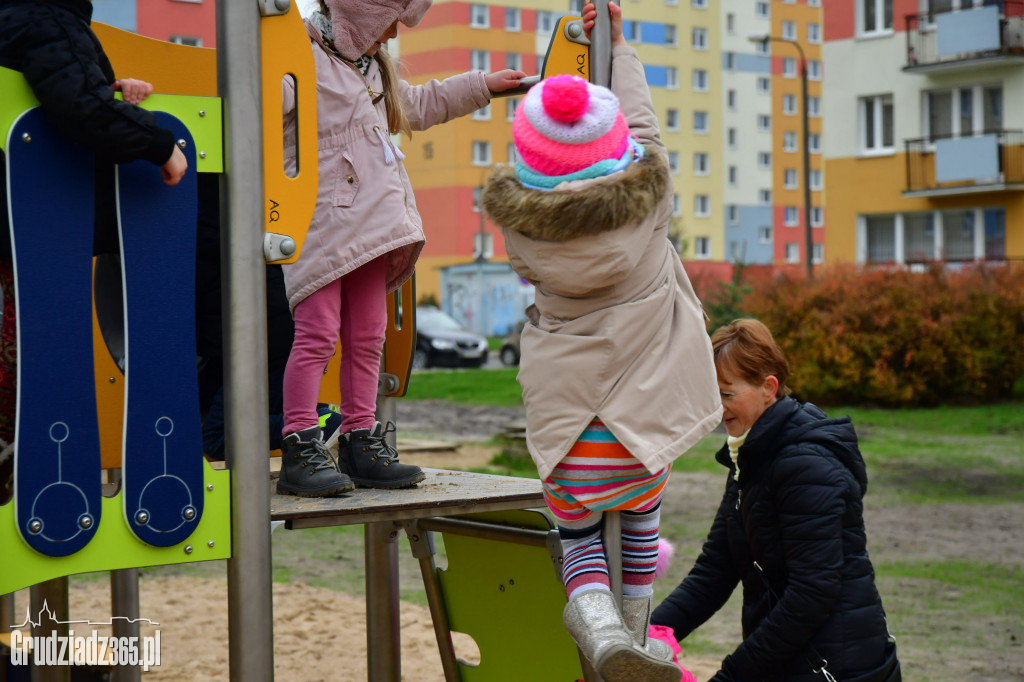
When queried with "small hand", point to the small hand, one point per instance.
{"points": [[134, 90], [614, 13], [174, 168], [500, 81]]}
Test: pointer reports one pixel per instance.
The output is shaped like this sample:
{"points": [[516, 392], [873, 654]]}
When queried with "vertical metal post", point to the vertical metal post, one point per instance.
{"points": [[124, 602], [54, 594], [601, 46], [808, 237], [613, 549], [383, 641], [246, 424]]}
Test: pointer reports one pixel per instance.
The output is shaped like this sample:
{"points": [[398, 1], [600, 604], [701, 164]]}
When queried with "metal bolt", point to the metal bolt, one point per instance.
{"points": [[35, 526], [142, 517], [202, 155], [209, 487], [202, 112], [210, 543], [26, 138], [574, 30], [113, 380], [501, 588], [281, 5], [182, 143], [85, 521], [188, 549], [189, 513], [511, 581]]}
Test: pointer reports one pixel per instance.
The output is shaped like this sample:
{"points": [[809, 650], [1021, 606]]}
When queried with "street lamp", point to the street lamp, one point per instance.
{"points": [[809, 241]]}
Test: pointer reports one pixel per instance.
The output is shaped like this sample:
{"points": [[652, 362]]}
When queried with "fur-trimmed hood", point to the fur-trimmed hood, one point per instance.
{"points": [[580, 208]]}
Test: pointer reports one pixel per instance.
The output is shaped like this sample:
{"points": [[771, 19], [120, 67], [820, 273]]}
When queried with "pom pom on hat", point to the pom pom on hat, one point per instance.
{"points": [[565, 98]]}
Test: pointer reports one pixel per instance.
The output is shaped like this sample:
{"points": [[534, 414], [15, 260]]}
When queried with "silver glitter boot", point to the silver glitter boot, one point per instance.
{"points": [[594, 621], [636, 612]]}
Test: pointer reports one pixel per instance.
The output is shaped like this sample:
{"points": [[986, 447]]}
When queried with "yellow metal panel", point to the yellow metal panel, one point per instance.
{"points": [[289, 201], [565, 56], [172, 69]]}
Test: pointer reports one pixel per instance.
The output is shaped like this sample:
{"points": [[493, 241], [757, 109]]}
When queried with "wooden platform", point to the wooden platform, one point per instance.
{"points": [[443, 493]]}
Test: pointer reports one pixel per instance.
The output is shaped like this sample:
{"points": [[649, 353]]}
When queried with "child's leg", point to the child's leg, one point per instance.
{"points": [[316, 335], [640, 550], [584, 564], [364, 317]]}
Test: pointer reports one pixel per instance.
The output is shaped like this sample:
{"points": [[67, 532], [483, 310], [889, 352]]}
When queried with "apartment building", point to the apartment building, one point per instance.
{"points": [[923, 160]]}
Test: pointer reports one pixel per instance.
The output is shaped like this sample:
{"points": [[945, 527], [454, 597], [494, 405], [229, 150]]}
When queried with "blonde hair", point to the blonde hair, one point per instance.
{"points": [[746, 348], [398, 121]]}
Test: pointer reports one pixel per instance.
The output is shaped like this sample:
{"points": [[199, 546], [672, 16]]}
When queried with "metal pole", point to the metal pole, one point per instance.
{"points": [[808, 237], [383, 641], [601, 46], [124, 602], [54, 594], [246, 424], [613, 550]]}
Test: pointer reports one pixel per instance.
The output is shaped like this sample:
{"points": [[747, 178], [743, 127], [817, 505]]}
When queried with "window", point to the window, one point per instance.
{"points": [[762, 10], [477, 194], [701, 163], [700, 38], [764, 159], [730, 22], [479, 16], [958, 235], [880, 232], [702, 205], [790, 178], [699, 4], [789, 141], [733, 174], [545, 21], [788, 30], [764, 197], [814, 3], [729, 61], [817, 216], [702, 247], [671, 78], [576, 7], [631, 30], [814, 107], [792, 216], [761, 47], [480, 60], [813, 70], [700, 80], [733, 212], [764, 84], [764, 234], [874, 16], [816, 180], [789, 67], [673, 162], [483, 113], [514, 61], [513, 19], [792, 253], [995, 234], [731, 138], [677, 208], [671, 35], [819, 253], [954, 112], [730, 99], [876, 119], [700, 121], [814, 33], [814, 143], [191, 41], [510, 154], [672, 120], [789, 104], [481, 153], [511, 104]]}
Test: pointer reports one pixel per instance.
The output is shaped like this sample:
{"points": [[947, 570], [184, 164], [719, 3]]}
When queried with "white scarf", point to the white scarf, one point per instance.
{"points": [[734, 450]]}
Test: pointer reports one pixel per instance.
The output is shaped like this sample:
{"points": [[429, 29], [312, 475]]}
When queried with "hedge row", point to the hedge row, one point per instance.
{"points": [[892, 337]]}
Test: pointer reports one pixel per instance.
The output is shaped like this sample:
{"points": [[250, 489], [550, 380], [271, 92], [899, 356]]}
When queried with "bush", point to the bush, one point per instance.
{"points": [[895, 338]]}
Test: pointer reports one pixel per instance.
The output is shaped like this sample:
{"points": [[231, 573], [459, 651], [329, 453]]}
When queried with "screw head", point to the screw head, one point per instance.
{"points": [[182, 143], [35, 526], [189, 513], [210, 543], [188, 549], [202, 112], [202, 155], [209, 486], [26, 138], [142, 517], [85, 521]]}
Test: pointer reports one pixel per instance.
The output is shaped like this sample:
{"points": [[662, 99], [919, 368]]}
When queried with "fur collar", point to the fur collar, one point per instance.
{"points": [[584, 208]]}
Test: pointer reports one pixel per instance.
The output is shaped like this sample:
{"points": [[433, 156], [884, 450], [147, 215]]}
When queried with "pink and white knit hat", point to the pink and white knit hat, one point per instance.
{"points": [[566, 125]]}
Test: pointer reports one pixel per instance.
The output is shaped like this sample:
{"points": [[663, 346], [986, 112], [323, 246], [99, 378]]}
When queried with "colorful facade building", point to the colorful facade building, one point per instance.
{"points": [[924, 162]]}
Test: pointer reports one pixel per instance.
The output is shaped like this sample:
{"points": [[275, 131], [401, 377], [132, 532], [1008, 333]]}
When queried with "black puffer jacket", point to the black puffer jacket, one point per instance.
{"points": [[797, 513], [51, 44]]}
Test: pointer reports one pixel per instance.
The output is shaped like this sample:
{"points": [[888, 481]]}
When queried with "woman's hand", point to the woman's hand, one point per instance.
{"points": [[134, 91], [174, 168], [614, 13], [500, 81]]}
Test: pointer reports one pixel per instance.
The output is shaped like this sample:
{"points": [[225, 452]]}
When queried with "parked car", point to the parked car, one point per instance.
{"points": [[442, 342], [510, 346]]}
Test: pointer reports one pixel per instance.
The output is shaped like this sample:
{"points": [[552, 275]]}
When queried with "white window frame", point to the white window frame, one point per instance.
{"points": [[789, 67], [702, 248], [764, 85], [792, 253], [701, 163], [881, 29], [672, 77], [699, 4], [516, 16], [733, 175], [764, 197], [764, 159], [814, 107], [481, 153], [677, 206], [635, 32], [699, 80], [674, 164], [817, 216], [479, 15], [789, 105], [876, 145], [702, 205], [762, 10], [814, 33], [478, 193], [814, 143], [788, 29], [191, 41], [764, 234], [791, 179], [483, 113], [699, 38], [761, 47], [730, 99], [514, 61], [672, 120], [731, 137], [732, 212], [702, 117], [480, 60], [546, 21], [813, 70], [791, 216], [671, 35], [817, 179], [789, 142], [511, 154], [764, 122], [818, 249]]}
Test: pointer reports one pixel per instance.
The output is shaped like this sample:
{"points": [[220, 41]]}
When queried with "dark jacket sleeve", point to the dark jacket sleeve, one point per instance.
{"points": [[708, 585], [810, 498], [70, 75]]}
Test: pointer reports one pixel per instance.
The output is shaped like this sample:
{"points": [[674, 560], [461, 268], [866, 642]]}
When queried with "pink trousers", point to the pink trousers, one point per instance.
{"points": [[353, 307]]}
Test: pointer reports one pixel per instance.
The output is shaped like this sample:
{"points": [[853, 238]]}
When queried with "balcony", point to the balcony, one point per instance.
{"points": [[970, 38], [989, 162]]}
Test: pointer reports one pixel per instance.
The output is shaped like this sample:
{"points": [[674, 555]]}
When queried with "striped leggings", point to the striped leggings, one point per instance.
{"points": [[598, 474]]}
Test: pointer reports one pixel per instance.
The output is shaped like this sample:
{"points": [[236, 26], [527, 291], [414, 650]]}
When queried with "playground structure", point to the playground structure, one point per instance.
{"points": [[159, 501]]}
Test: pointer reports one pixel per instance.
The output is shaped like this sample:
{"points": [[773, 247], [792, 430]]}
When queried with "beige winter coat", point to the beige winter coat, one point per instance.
{"points": [[365, 207], [616, 331]]}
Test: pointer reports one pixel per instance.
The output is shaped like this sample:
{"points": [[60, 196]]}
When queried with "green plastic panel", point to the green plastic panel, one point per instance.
{"points": [[114, 546]]}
